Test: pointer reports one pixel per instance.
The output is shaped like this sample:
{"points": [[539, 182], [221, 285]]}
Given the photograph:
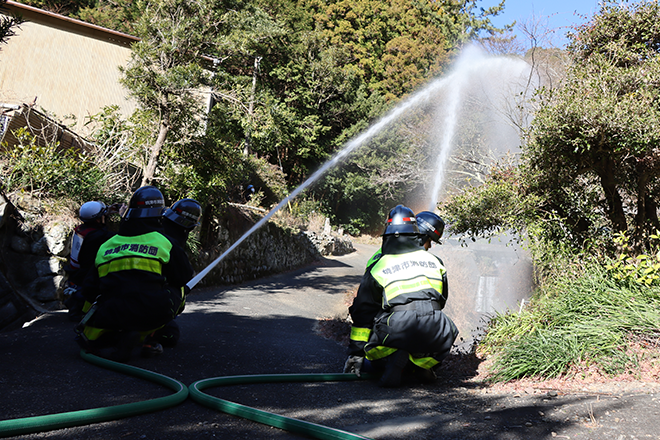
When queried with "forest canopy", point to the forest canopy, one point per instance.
{"points": [[291, 81]]}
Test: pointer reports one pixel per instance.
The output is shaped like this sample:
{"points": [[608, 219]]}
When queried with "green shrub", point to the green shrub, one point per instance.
{"points": [[641, 269], [51, 171]]}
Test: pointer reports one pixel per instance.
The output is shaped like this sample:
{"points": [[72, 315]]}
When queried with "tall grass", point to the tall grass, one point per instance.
{"points": [[583, 319]]}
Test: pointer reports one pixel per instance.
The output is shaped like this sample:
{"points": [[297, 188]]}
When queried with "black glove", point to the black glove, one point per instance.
{"points": [[354, 365]]}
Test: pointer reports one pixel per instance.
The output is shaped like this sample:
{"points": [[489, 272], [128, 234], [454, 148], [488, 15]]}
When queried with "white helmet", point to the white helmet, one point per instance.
{"points": [[92, 210]]}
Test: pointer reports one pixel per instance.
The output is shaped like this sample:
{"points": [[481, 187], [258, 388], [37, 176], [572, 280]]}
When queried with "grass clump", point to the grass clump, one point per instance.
{"points": [[578, 318]]}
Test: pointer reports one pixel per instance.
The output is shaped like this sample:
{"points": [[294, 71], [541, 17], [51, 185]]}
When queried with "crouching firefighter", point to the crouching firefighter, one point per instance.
{"points": [[178, 222], [140, 276], [398, 323], [91, 233]]}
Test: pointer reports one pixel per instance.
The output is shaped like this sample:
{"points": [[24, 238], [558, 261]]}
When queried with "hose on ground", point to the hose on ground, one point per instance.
{"points": [[30, 425], [50, 422], [268, 418]]}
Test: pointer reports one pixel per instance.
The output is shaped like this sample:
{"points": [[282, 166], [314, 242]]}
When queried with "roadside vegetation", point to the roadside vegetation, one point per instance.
{"points": [[292, 81], [583, 197]]}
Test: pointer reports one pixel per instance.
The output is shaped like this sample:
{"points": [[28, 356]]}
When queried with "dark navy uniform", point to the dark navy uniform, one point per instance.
{"points": [[140, 274]]}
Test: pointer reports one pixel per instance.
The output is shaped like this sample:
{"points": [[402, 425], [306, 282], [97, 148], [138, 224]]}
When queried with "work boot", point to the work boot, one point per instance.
{"points": [[168, 336], [396, 362], [151, 349]]}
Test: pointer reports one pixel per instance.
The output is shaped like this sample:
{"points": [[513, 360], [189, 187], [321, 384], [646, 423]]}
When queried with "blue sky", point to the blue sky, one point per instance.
{"points": [[559, 14]]}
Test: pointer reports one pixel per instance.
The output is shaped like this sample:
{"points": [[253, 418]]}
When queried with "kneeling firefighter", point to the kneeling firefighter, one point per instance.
{"points": [[140, 276], [85, 242], [178, 222], [397, 315]]}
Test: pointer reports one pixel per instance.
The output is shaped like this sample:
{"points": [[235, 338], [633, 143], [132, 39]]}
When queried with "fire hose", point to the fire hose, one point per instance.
{"points": [[50, 422], [29, 425], [268, 418]]}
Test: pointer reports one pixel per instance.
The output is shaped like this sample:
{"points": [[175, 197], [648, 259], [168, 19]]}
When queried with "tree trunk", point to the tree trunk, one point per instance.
{"points": [[150, 169], [248, 135], [642, 199], [652, 213], [646, 219], [615, 205]]}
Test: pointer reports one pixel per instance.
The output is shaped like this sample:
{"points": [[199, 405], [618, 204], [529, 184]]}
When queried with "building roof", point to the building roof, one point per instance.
{"points": [[30, 13]]}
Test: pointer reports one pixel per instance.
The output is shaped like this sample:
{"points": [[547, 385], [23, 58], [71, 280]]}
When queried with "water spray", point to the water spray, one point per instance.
{"points": [[473, 68], [445, 146], [393, 115]]}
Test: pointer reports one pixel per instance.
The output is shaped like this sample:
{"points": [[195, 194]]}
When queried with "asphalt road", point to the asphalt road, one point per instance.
{"points": [[268, 326]]}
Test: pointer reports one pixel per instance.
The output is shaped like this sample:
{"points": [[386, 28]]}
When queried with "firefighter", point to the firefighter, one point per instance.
{"points": [[397, 315], [178, 221], [431, 227], [86, 239], [139, 275], [181, 219]]}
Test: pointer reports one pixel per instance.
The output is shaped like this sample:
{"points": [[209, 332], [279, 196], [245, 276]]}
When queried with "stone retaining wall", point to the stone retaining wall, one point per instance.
{"points": [[32, 258]]}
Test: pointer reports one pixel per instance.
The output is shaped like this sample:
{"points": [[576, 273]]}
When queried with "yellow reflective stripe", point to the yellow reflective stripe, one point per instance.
{"points": [[130, 263], [360, 334], [425, 362], [408, 286], [150, 245], [379, 352], [401, 274], [93, 333]]}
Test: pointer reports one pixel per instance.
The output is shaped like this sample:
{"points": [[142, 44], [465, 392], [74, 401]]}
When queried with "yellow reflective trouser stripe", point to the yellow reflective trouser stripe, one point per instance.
{"points": [[130, 263], [93, 333], [425, 362], [87, 306], [414, 285], [360, 334], [379, 352]]}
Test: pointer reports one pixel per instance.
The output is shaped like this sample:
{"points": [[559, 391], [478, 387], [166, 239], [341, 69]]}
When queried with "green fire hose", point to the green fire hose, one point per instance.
{"points": [[49, 422], [30, 425], [268, 418]]}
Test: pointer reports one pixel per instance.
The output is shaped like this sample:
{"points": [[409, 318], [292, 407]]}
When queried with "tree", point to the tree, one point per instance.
{"points": [[603, 126], [8, 23], [248, 36], [119, 15], [592, 161], [64, 7], [165, 71], [396, 45]]}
